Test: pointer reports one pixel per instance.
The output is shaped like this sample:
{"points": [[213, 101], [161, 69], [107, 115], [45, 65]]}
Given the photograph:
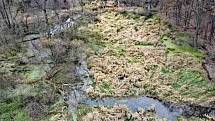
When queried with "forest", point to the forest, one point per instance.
{"points": [[107, 60]]}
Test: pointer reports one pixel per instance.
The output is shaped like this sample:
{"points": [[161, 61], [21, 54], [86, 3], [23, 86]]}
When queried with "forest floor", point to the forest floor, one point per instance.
{"points": [[127, 55]]}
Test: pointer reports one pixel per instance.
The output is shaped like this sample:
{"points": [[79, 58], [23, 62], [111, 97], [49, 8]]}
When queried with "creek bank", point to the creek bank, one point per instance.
{"points": [[38, 96], [136, 104], [163, 110]]}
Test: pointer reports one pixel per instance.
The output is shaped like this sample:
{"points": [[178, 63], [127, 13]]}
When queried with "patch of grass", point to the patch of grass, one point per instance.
{"points": [[93, 82], [183, 37], [186, 49], [21, 116], [165, 81], [57, 105], [149, 89], [152, 18], [104, 87], [166, 71], [120, 52], [192, 83], [189, 77], [36, 72], [91, 37], [132, 60], [130, 15], [96, 45], [145, 45], [12, 110], [83, 110]]}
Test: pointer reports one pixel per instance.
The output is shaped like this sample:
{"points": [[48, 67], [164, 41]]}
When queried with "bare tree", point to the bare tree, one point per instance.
{"points": [[6, 13]]}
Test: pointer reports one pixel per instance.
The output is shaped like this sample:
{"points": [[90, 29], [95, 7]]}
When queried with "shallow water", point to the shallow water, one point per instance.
{"points": [[135, 104]]}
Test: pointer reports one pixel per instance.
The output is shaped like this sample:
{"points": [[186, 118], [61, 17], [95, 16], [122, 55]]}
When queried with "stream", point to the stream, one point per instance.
{"points": [[78, 95], [164, 110], [135, 104]]}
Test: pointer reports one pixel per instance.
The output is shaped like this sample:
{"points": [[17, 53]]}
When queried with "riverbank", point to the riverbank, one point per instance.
{"points": [[133, 55]]}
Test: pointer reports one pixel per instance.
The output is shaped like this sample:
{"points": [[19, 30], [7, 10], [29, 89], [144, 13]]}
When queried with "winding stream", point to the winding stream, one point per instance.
{"points": [[163, 110], [78, 95]]}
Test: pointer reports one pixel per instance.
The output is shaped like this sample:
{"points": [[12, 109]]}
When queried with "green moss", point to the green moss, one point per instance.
{"points": [[186, 49], [36, 72]]}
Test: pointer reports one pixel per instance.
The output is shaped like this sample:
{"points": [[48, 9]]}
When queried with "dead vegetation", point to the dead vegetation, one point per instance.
{"points": [[119, 113], [136, 59]]}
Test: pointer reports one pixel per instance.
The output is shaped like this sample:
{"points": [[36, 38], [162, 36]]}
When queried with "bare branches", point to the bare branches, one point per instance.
{"points": [[195, 16]]}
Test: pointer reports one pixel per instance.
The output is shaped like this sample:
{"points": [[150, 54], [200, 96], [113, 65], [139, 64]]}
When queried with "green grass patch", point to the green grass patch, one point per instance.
{"points": [[35, 72], [96, 45], [183, 37], [193, 83], [186, 49], [152, 18], [104, 87], [130, 15], [120, 52], [145, 45], [166, 71], [12, 110], [191, 78], [132, 60], [83, 110]]}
